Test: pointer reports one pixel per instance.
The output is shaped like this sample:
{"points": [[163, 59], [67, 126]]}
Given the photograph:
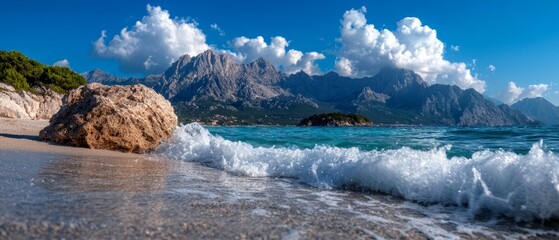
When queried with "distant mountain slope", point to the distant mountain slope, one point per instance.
{"points": [[450, 105], [539, 109], [213, 88], [402, 96], [99, 76]]}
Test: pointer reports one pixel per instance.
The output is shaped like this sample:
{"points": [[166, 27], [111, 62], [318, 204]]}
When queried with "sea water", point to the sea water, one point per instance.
{"points": [[506, 171]]}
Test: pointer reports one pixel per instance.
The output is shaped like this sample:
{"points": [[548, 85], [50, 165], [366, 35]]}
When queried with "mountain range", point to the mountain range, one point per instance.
{"points": [[539, 109], [214, 89]]}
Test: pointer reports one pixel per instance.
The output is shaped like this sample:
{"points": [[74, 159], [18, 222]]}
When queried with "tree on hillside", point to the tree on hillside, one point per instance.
{"points": [[23, 74]]}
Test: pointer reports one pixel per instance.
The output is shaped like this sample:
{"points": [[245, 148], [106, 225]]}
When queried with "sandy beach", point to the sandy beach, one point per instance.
{"points": [[52, 191], [23, 135]]}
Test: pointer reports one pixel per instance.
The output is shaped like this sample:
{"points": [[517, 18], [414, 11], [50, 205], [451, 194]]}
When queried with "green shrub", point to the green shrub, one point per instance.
{"points": [[14, 78], [61, 79], [328, 119], [23, 74]]}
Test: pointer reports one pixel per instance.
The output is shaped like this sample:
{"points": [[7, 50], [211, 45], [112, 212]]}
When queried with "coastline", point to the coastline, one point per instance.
{"points": [[55, 191]]}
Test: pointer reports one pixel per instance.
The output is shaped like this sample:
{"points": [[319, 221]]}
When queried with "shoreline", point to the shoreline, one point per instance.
{"points": [[55, 191], [23, 135]]}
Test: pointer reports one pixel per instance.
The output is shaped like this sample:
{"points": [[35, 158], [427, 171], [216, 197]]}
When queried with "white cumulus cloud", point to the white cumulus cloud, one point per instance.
{"points": [[455, 48], [514, 93], [62, 63], [365, 50], [491, 67], [153, 43], [344, 67], [215, 27], [246, 50]]}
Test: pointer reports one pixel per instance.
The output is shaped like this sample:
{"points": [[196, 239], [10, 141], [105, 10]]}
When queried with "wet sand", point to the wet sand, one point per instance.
{"points": [[53, 191]]}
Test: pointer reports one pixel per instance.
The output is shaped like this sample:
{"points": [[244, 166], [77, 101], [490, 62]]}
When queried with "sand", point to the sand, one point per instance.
{"points": [[22, 135], [52, 191]]}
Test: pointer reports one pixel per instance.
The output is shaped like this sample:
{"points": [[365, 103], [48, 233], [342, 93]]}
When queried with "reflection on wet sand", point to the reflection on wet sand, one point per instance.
{"points": [[103, 174], [54, 196], [123, 192]]}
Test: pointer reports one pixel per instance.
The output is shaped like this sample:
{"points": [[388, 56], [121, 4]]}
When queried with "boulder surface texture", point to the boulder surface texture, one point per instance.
{"points": [[123, 118], [27, 105]]}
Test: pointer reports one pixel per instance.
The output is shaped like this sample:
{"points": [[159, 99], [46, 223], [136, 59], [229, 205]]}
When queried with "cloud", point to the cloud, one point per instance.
{"points": [[455, 48], [215, 27], [153, 43], [344, 67], [491, 67], [514, 93], [365, 50], [62, 63], [290, 61]]}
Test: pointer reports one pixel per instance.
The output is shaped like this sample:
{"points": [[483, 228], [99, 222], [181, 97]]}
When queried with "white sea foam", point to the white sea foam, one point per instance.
{"points": [[525, 187]]}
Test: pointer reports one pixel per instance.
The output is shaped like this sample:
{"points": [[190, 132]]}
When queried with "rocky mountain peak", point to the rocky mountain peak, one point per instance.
{"points": [[98, 75], [262, 63], [332, 74], [178, 65], [218, 76], [300, 75], [182, 61], [97, 71], [211, 62], [392, 80], [539, 109]]}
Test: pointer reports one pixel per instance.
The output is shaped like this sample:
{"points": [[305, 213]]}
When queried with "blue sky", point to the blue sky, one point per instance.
{"points": [[519, 38]]}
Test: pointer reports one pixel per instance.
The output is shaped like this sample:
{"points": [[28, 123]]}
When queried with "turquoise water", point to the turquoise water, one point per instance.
{"points": [[464, 140]]}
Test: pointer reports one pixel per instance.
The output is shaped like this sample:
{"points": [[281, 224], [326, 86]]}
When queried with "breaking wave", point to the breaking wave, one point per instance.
{"points": [[525, 187]]}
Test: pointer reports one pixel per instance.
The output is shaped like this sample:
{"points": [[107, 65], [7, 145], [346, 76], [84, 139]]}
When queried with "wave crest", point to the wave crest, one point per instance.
{"points": [[525, 187]]}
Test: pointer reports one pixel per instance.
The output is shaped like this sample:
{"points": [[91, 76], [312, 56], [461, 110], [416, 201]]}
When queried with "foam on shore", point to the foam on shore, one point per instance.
{"points": [[525, 187]]}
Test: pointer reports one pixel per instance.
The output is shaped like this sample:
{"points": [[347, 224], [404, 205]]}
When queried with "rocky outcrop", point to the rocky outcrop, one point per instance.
{"points": [[335, 120], [27, 105], [123, 118]]}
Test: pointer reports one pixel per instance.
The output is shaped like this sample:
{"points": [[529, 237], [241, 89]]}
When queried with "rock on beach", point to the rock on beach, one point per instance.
{"points": [[124, 118]]}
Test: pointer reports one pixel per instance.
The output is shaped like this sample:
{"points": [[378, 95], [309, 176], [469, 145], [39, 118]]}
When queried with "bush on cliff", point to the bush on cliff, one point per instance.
{"points": [[23, 74]]}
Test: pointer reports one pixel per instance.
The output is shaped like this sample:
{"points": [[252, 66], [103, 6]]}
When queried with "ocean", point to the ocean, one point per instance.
{"points": [[502, 172], [290, 183]]}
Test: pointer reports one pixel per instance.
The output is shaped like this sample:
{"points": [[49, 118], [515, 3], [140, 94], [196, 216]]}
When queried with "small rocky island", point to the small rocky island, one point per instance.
{"points": [[337, 119]]}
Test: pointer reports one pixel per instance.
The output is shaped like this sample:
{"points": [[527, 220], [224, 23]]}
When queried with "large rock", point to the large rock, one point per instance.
{"points": [[124, 118], [26, 105]]}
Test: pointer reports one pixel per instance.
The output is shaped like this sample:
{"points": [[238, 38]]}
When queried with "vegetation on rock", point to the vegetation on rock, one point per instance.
{"points": [[335, 119], [24, 73]]}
